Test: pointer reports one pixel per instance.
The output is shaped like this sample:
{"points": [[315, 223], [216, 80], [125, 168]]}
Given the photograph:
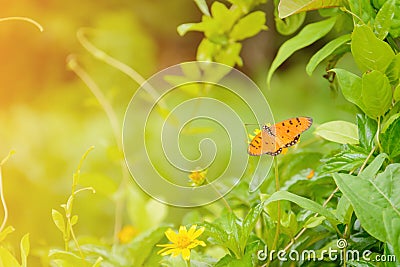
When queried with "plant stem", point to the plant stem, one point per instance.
{"points": [[278, 204], [3, 201]]}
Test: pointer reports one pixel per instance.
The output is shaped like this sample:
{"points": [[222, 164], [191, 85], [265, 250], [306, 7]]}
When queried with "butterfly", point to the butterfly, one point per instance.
{"points": [[273, 138]]}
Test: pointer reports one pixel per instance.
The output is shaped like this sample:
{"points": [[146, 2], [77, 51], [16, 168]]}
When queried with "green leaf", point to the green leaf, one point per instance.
{"points": [[308, 35], [288, 25], [290, 7], [362, 9], [344, 210], [325, 52], [367, 128], [314, 221], [395, 25], [376, 93], [8, 230], [24, 249], [372, 169], [206, 50], [186, 27], [249, 26], [7, 259], [384, 18], [369, 52], [351, 86], [347, 160], [341, 132], [396, 93], [74, 220], [392, 226], [390, 139], [393, 70], [58, 220], [370, 198], [230, 55], [304, 203], [202, 4], [248, 224], [67, 259]]}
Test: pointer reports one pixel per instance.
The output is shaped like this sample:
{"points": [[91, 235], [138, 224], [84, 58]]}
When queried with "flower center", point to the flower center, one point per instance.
{"points": [[183, 241]]}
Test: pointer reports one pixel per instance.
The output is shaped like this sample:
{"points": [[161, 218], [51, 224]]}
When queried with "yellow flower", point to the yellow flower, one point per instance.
{"points": [[198, 177], [182, 242], [127, 233]]}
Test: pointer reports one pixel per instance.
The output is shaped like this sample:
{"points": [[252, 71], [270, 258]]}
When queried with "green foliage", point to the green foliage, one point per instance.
{"points": [[308, 35], [341, 132], [223, 28], [303, 210]]}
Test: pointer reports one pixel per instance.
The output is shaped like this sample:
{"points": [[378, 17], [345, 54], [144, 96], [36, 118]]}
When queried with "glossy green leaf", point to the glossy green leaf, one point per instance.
{"points": [[367, 128], [290, 7], [25, 246], [249, 26], [249, 222], [396, 93], [308, 35], [395, 24], [341, 132], [393, 70], [377, 55], [7, 259], [370, 198], [346, 160], [58, 220], [202, 4], [325, 52], [351, 86], [314, 221], [304, 203], [390, 139], [388, 122], [376, 93], [288, 25], [362, 9], [372, 169], [384, 18]]}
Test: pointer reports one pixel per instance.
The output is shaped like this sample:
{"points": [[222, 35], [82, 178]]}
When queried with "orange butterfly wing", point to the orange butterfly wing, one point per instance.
{"points": [[272, 139]]}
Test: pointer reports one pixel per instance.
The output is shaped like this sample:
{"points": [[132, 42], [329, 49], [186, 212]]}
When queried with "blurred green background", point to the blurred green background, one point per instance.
{"points": [[49, 117]]}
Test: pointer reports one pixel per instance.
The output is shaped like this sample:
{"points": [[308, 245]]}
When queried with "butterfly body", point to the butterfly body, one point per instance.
{"points": [[272, 139]]}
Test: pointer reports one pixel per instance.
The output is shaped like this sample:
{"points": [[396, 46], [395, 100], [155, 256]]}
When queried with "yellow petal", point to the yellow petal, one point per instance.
{"points": [[182, 230], [192, 230], [186, 254], [166, 245], [174, 251], [198, 233], [164, 251], [196, 243], [171, 235]]}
